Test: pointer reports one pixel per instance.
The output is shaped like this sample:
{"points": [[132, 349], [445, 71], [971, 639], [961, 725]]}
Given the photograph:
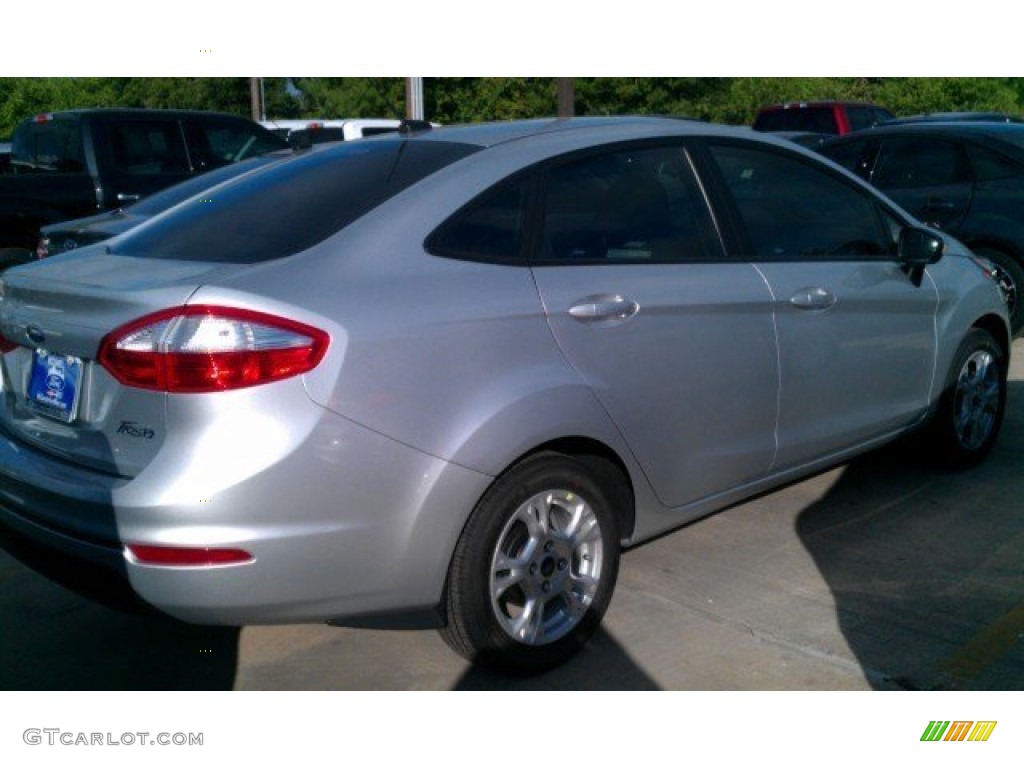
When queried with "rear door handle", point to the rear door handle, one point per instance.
{"points": [[126, 198], [813, 298], [605, 307], [938, 204]]}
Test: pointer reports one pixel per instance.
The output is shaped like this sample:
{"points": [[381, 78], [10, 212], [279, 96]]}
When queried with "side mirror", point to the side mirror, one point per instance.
{"points": [[919, 247]]}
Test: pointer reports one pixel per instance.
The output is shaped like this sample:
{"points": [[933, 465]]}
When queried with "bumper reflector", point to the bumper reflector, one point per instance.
{"points": [[146, 554]]}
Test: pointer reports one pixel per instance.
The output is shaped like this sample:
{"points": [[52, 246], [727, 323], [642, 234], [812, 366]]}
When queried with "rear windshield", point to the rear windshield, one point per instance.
{"points": [[291, 206], [813, 119], [161, 201], [53, 146]]}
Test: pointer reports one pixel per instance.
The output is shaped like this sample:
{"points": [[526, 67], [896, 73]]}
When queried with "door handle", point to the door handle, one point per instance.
{"points": [[813, 298], [603, 308], [126, 198]]}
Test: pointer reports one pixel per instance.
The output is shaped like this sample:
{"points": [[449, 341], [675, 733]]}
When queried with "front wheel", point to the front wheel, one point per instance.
{"points": [[535, 567], [971, 410]]}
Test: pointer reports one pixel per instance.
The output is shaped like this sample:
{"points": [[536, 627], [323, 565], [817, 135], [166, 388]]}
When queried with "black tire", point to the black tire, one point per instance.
{"points": [[970, 413], [567, 573], [1010, 276]]}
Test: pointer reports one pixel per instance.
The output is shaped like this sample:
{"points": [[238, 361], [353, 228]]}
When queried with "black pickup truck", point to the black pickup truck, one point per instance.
{"points": [[69, 164]]}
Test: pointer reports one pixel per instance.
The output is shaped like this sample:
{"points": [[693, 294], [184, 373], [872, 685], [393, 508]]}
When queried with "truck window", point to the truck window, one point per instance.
{"points": [[48, 146], [144, 147]]}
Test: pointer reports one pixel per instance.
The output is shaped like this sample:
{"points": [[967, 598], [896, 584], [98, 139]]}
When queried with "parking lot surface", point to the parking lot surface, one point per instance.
{"points": [[881, 574]]}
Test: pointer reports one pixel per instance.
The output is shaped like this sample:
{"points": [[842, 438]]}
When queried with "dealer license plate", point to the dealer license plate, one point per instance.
{"points": [[55, 384]]}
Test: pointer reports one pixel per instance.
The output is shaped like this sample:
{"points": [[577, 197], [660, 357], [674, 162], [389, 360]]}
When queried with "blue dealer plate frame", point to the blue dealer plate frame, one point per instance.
{"points": [[55, 385]]}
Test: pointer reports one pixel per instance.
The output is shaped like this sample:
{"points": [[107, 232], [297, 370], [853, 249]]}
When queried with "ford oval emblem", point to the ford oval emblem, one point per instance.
{"points": [[35, 333]]}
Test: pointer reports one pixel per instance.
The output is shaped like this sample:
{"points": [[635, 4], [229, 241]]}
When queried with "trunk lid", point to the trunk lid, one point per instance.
{"points": [[63, 307]]}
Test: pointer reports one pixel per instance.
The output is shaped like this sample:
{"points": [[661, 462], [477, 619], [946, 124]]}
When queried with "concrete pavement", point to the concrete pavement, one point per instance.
{"points": [[885, 573]]}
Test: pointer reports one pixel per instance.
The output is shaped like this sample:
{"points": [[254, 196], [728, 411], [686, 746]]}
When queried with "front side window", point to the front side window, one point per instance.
{"points": [[629, 205], [215, 143], [915, 162], [793, 210]]}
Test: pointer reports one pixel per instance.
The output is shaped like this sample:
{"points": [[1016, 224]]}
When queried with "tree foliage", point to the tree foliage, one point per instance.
{"points": [[470, 99]]}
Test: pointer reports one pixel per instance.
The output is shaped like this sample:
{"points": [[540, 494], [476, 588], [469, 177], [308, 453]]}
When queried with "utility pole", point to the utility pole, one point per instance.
{"points": [[566, 90], [414, 98], [254, 98]]}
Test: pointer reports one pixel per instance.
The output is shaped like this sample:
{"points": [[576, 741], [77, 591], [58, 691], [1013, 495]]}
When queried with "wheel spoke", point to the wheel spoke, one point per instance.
{"points": [[589, 530], [508, 572], [535, 514], [529, 627]]}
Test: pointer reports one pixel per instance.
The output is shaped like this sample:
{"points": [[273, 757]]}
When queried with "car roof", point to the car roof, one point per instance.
{"points": [[822, 103], [957, 127], [492, 134]]}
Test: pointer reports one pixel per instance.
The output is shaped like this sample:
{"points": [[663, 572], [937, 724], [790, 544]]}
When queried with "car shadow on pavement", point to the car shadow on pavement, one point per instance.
{"points": [[925, 566], [602, 665], [51, 639]]}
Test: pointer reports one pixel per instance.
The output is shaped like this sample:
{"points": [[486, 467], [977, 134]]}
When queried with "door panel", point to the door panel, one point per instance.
{"points": [[856, 368], [856, 336], [676, 342], [690, 378]]}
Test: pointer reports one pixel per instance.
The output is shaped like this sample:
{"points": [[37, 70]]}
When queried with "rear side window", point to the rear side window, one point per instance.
{"points": [[992, 166], [638, 205], [145, 147], [489, 229], [53, 146], [811, 119], [291, 206], [794, 211]]}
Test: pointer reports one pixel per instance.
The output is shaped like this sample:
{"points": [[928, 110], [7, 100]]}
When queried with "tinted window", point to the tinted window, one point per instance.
{"points": [[291, 206], [215, 143], [992, 166], [54, 146], [846, 154], [148, 147], [860, 117], [913, 162], [626, 206], [793, 210], [488, 229], [173, 195], [812, 119]]}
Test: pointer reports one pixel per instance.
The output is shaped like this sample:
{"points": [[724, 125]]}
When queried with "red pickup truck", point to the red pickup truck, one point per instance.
{"points": [[832, 117]]}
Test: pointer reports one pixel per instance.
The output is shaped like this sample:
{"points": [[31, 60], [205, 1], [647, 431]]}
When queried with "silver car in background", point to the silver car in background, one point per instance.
{"points": [[441, 379]]}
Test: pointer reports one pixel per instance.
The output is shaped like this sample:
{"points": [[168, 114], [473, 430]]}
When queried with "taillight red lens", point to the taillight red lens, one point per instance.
{"points": [[6, 346], [210, 349], [147, 554]]}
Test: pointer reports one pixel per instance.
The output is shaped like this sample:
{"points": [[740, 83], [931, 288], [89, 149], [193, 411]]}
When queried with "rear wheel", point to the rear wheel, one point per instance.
{"points": [[971, 411], [535, 568], [1009, 275]]}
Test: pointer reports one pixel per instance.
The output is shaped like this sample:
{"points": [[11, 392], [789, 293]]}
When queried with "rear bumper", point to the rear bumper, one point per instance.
{"points": [[344, 523]]}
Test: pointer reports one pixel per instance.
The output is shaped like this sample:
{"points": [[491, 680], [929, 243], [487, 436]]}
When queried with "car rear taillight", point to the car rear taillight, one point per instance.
{"points": [[6, 346], [210, 349], [147, 554]]}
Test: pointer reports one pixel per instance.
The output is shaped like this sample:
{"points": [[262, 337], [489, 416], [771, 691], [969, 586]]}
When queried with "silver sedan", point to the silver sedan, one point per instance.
{"points": [[441, 378]]}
